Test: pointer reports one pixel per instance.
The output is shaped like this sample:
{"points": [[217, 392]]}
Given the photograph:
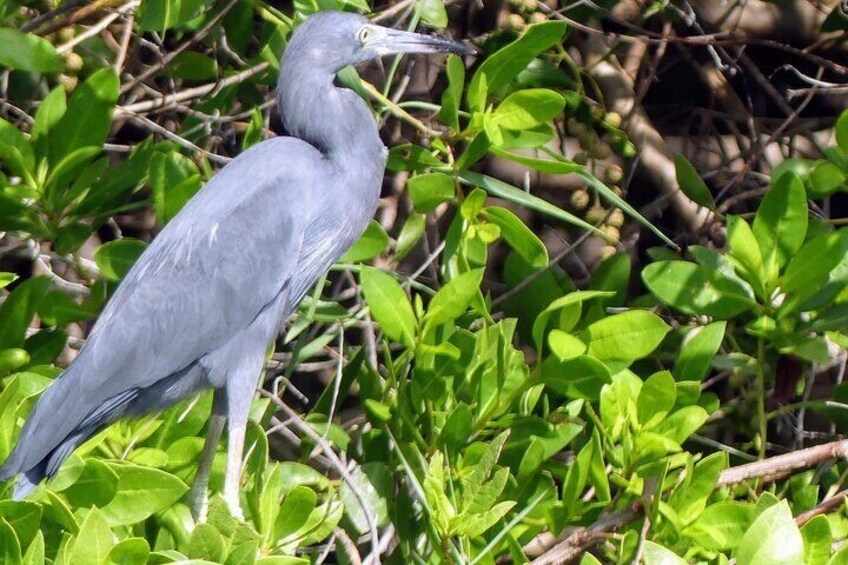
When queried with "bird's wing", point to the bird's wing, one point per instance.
{"points": [[214, 268]]}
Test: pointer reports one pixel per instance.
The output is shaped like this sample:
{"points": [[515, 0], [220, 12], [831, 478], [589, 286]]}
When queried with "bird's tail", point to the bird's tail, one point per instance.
{"points": [[46, 439]]}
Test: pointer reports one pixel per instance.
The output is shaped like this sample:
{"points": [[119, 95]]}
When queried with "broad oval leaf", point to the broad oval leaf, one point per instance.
{"points": [[773, 538], [696, 290], [453, 299], [28, 52], [371, 243], [88, 118], [699, 347], [500, 68], [428, 190], [521, 238], [142, 491], [625, 337], [389, 305], [528, 108], [691, 184], [780, 225], [116, 258], [814, 261], [161, 15], [94, 541]]}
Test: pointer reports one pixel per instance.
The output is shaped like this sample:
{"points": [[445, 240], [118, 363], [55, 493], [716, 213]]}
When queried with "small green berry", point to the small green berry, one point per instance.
{"points": [[616, 218], [614, 174], [596, 214], [601, 151], [579, 199], [613, 119]]}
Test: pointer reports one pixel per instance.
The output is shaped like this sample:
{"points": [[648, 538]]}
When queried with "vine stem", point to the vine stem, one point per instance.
{"points": [[761, 397]]}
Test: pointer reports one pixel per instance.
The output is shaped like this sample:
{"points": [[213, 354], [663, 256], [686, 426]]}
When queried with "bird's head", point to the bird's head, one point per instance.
{"points": [[334, 40]]}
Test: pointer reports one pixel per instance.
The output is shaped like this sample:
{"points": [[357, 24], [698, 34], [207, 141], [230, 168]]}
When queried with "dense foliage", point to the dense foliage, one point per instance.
{"points": [[468, 394]]}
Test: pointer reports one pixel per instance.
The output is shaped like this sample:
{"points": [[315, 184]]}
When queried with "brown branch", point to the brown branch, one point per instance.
{"points": [[779, 466], [188, 94], [575, 541]]}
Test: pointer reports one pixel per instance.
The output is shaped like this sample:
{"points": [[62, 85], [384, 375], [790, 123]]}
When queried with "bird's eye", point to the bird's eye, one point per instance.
{"points": [[364, 34]]}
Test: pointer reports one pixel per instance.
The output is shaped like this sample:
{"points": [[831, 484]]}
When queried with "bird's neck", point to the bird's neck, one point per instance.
{"points": [[334, 120]]}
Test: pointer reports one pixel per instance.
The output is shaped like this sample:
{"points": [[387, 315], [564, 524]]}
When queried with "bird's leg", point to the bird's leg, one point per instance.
{"points": [[239, 396], [198, 498]]}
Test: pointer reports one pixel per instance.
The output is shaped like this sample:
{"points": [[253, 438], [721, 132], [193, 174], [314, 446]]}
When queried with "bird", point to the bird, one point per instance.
{"points": [[205, 300]]}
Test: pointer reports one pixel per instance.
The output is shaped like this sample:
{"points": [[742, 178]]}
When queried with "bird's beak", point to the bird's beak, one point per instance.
{"points": [[388, 41]]}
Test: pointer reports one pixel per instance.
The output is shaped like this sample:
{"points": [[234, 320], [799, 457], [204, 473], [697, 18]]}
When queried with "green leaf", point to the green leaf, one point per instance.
{"points": [[142, 492], [24, 517], [174, 179], [206, 543], [691, 184], [814, 261], [281, 560], [773, 538], [49, 113], [452, 95], [18, 309], [35, 552], [746, 251], [825, 179], [656, 554], [528, 108], [130, 551], [88, 119], [516, 233], [564, 345], [116, 258], [371, 243], [193, 66], [428, 190], [571, 299], [690, 498], [454, 298], [657, 397], [626, 336], [389, 305], [295, 510], [10, 548], [696, 290], [682, 423], [410, 234], [28, 52], [433, 12], [372, 481], [457, 427], [780, 225], [841, 126], [579, 377], [817, 541], [513, 194], [94, 541], [699, 347], [500, 68], [721, 525], [161, 15], [243, 554], [254, 133], [96, 486], [7, 278]]}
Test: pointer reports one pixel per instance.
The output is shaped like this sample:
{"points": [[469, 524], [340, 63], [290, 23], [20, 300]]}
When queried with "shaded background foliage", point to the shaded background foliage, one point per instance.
{"points": [[608, 307]]}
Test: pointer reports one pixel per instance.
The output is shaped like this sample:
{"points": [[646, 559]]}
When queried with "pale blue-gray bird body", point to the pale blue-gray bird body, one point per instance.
{"points": [[203, 302]]}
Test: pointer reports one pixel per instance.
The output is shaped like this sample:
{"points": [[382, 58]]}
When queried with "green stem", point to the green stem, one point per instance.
{"points": [[761, 396]]}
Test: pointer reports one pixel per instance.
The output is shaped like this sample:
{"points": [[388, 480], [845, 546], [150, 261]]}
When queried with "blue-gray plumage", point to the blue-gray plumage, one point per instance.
{"points": [[204, 301]]}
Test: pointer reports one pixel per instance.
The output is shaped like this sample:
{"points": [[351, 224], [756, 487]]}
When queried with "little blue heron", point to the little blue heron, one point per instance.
{"points": [[204, 301]]}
